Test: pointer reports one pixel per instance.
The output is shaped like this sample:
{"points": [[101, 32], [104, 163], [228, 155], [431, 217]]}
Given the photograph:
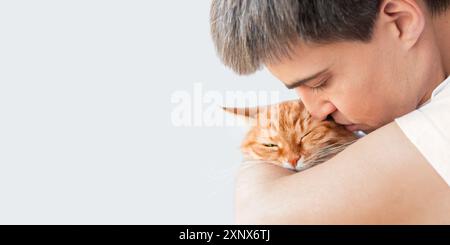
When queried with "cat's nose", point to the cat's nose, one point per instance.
{"points": [[293, 161]]}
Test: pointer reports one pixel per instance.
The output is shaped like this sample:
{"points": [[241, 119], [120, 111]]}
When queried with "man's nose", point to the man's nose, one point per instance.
{"points": [[319, 108], [322, 112]]}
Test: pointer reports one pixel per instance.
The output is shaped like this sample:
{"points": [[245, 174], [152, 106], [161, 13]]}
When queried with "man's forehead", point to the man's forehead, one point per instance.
{"points": [[304, 63], [296, 74]]}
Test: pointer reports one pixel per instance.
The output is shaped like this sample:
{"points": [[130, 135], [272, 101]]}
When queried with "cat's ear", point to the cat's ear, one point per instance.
{"points": [[259, 115], [247, 112]]}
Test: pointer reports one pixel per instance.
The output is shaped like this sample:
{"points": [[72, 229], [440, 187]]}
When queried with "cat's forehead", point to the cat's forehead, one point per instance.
{"points": [[281, 129], [288, 116], [269, 132], [282, 119], [289, 109]]}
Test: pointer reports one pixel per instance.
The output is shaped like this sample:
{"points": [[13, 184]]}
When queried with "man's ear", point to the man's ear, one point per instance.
{"points": [[407, 19]]}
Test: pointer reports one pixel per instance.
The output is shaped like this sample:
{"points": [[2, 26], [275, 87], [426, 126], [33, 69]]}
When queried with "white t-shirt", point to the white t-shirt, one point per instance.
{"points": [[428, 128]]}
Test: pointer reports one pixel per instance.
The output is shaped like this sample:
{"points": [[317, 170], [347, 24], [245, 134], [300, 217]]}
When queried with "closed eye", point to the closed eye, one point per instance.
{"points": [[270, 145], [319, 87], [301, 139]]}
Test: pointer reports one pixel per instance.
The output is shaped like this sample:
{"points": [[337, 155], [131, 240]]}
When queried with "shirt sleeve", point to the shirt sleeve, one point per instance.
{"points": [[428, 128]]}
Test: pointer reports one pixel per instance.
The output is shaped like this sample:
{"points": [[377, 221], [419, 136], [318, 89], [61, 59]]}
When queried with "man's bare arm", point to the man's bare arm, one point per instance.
{"points": [[382, 178]]}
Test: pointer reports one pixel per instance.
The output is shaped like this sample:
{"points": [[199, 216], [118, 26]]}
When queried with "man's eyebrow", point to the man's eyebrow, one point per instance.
{"points": [[305, 80]]}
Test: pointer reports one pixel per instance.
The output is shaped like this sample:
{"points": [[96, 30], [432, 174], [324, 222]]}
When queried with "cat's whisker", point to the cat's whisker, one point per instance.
{"points": [[326, 152]]}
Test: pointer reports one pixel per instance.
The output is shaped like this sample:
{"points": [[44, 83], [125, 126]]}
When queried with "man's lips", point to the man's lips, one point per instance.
{"points": [[348, 125], [351, 127]]}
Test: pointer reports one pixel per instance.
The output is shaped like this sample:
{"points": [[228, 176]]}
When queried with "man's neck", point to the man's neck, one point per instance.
{"points": [[442, 32]]}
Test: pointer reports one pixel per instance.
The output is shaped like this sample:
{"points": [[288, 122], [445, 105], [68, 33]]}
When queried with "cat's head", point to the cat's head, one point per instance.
{"points": [[286, 134]]}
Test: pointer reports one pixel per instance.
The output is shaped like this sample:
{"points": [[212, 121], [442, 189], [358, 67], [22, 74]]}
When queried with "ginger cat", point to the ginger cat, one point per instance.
{"points": [[286, 135]]}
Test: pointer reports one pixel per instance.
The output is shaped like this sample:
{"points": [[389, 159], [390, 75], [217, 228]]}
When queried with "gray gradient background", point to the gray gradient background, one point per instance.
{"points": [[85, 114]]}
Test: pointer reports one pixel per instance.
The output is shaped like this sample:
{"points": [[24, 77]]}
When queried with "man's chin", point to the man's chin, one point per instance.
{"points": [[352, 127], [368, 130], [359, 128]]}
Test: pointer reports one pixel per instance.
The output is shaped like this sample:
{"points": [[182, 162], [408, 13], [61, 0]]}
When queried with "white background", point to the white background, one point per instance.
{"points": [[85, 114]]}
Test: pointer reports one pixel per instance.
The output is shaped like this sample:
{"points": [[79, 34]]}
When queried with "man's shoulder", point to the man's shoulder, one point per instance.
{"points": [[382, 175]]}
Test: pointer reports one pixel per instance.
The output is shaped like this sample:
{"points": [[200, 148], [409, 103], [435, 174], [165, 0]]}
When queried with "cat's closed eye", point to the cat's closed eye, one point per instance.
{"points": [[303, 137], [270, 145]]}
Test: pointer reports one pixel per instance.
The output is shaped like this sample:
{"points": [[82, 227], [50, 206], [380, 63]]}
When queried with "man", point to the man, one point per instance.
{"points": [[377, 66]]}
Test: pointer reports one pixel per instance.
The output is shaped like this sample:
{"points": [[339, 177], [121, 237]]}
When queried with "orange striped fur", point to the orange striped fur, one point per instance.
{"points": [[285, 134]]}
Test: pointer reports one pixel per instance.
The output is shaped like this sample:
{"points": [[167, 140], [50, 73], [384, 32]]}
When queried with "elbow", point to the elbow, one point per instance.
{"points": [[263, 212], [247, 211], [257, 195], [254, 206], [263, 205]]}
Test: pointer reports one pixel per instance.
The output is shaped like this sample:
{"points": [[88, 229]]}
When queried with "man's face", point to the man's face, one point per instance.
{"points": [[361, 85]]}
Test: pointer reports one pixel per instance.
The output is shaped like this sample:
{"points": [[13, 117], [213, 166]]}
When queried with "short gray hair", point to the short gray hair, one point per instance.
{"points": [[250, 33], [246, 33]]}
